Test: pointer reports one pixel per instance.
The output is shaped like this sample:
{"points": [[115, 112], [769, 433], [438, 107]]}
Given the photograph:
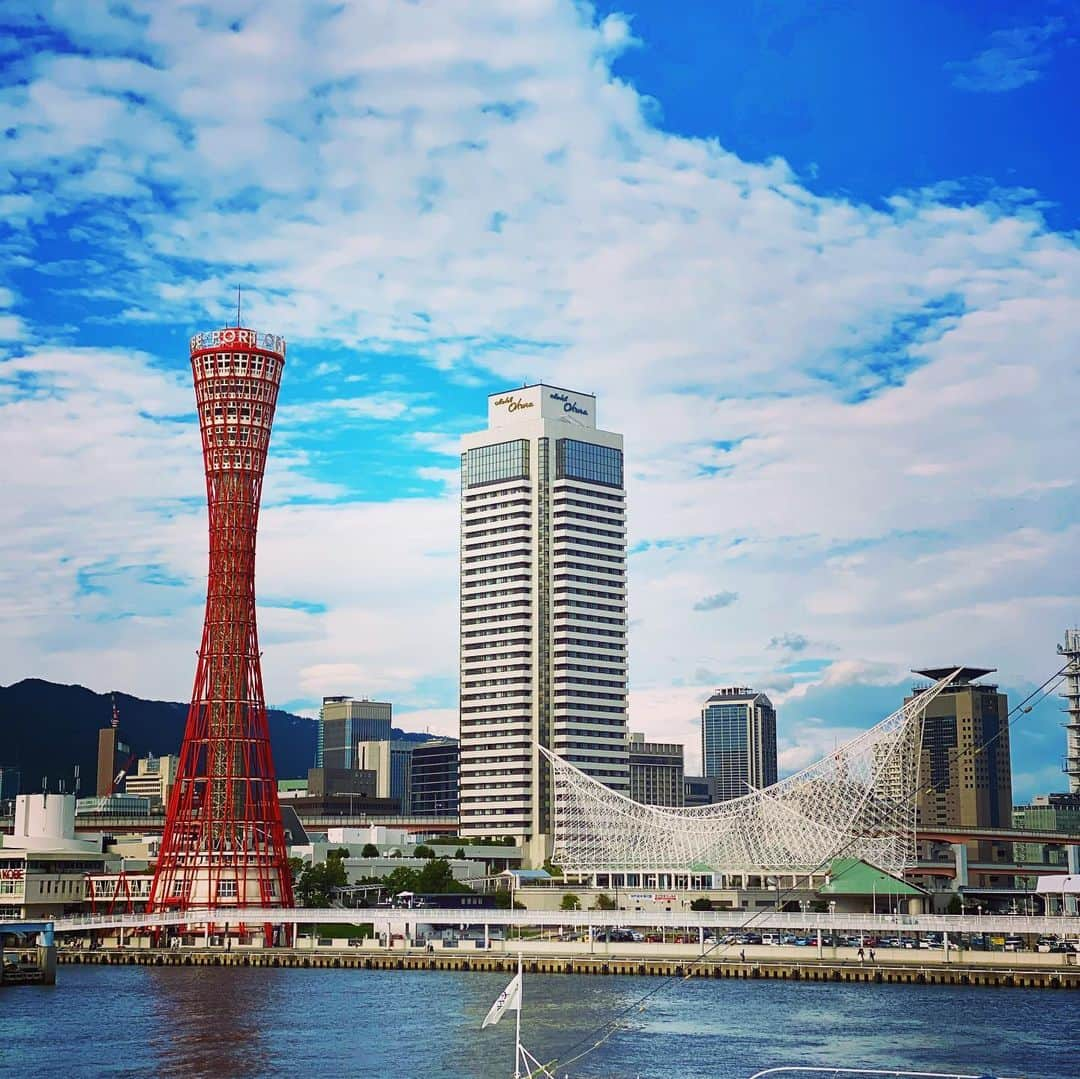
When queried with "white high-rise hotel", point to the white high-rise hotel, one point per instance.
{"points": [[543, 608]]}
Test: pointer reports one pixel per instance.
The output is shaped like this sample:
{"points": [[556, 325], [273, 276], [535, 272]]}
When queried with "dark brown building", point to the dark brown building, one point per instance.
{"points": [[113, 754], [965, 770]]}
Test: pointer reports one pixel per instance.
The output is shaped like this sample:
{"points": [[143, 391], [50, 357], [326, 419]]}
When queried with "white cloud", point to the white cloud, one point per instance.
{"points": [[1015, 57], [470, 182]]}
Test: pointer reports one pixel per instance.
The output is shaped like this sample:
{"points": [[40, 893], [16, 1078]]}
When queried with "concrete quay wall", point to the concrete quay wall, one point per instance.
{"points": [[805, 969]]}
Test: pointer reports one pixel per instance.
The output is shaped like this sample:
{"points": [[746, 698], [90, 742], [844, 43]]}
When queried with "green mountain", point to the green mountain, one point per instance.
{"points": [[46, 729]]}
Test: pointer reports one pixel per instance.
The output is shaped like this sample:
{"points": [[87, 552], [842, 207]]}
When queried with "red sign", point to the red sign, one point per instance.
{"points": [[12, 874]]}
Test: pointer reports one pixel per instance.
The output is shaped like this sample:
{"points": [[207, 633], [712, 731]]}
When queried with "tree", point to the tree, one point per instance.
{"points": [[701, 904], [955, 906], [337, 853], [369, 851], [604, 902], [570, 902], [401, 879], [318, 880], [436, 878], [552, 870], [423, 851], [459, 853]]}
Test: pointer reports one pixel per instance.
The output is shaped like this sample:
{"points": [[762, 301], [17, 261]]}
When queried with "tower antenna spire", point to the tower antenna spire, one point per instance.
{"points": [[238, 307]]}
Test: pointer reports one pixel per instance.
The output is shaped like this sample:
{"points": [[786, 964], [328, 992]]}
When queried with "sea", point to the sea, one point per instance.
{"points": [[226, 1022]]}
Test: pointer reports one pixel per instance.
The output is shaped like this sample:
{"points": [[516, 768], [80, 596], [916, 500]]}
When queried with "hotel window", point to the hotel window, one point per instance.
{"points": [[586, 461], [494, 464], [226, 889]]}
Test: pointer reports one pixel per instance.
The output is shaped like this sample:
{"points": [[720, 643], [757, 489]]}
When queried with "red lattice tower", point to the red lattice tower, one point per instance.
{"points": [[224, 847]]}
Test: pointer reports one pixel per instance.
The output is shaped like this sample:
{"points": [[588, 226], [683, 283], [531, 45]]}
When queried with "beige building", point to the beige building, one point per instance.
{"points": [[153, 779], [965, 773], [543, 609]]}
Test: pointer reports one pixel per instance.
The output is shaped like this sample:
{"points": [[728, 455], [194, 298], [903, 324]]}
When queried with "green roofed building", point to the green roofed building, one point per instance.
{"points": [[855, 885]]}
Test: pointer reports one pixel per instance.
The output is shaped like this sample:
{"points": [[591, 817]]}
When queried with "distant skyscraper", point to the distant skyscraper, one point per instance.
{"points": [[343, 723], [964, 775], [1071, 651], [113, 753], [543, 608], [656, 772], [738, 741]]}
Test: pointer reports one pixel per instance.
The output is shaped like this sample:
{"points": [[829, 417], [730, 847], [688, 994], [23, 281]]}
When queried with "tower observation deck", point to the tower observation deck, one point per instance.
{"points": [[223, 845]]}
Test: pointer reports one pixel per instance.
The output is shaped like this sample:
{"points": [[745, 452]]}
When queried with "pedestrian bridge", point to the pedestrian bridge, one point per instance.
{"points": [[389, 919]]}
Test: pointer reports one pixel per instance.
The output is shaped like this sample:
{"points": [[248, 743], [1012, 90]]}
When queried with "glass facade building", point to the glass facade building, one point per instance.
{"points": [[345, 722], [434, 778], [738, 742], [543, 609]]}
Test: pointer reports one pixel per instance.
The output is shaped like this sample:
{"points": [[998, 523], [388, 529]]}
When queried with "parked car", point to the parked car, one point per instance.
{"points": [[1014, 944]]}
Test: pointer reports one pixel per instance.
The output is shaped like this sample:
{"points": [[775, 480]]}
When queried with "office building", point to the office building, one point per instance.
{"points": [[656, 772], [113, 757], [964, 771], [738, 741], [345, 722], [113, 805], [153, 779], [543, 609], [390, 761], [343, 792], [698, 791], [434, 774], [1046, 813]]}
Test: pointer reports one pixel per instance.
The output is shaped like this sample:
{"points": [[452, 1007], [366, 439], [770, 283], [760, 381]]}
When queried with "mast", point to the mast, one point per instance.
{"points": [[517, 1026]]}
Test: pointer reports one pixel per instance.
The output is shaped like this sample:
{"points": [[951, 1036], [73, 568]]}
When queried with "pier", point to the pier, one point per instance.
{"points": [[808, 969]]}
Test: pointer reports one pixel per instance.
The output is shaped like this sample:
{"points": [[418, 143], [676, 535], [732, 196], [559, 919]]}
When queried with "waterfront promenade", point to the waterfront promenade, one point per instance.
{"points": [[890, 966]]}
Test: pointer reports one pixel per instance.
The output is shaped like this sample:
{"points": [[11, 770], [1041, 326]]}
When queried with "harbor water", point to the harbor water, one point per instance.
{"points": [[143, 1021]]}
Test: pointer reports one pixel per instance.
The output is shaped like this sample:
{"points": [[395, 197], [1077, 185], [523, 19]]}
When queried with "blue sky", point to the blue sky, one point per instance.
{"points": [[818, 260]]}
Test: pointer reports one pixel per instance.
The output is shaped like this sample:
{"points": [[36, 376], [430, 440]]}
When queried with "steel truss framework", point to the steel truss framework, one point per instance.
{"points": [[223, 845], [860, 801]]}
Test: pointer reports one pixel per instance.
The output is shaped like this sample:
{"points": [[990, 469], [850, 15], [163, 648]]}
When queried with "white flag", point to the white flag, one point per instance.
{"points": [[509, 1000]]}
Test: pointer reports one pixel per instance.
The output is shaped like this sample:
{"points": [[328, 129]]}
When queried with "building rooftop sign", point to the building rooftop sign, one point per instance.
{"points": [[541, 402]]}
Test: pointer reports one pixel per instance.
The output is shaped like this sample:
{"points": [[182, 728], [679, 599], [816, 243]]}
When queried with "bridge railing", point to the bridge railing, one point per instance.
{"points": [[880, 924]]}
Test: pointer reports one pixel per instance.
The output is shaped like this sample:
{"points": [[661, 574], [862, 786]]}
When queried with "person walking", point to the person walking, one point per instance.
{"points": [[873, 957], [862, 954], [742, 955]]}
